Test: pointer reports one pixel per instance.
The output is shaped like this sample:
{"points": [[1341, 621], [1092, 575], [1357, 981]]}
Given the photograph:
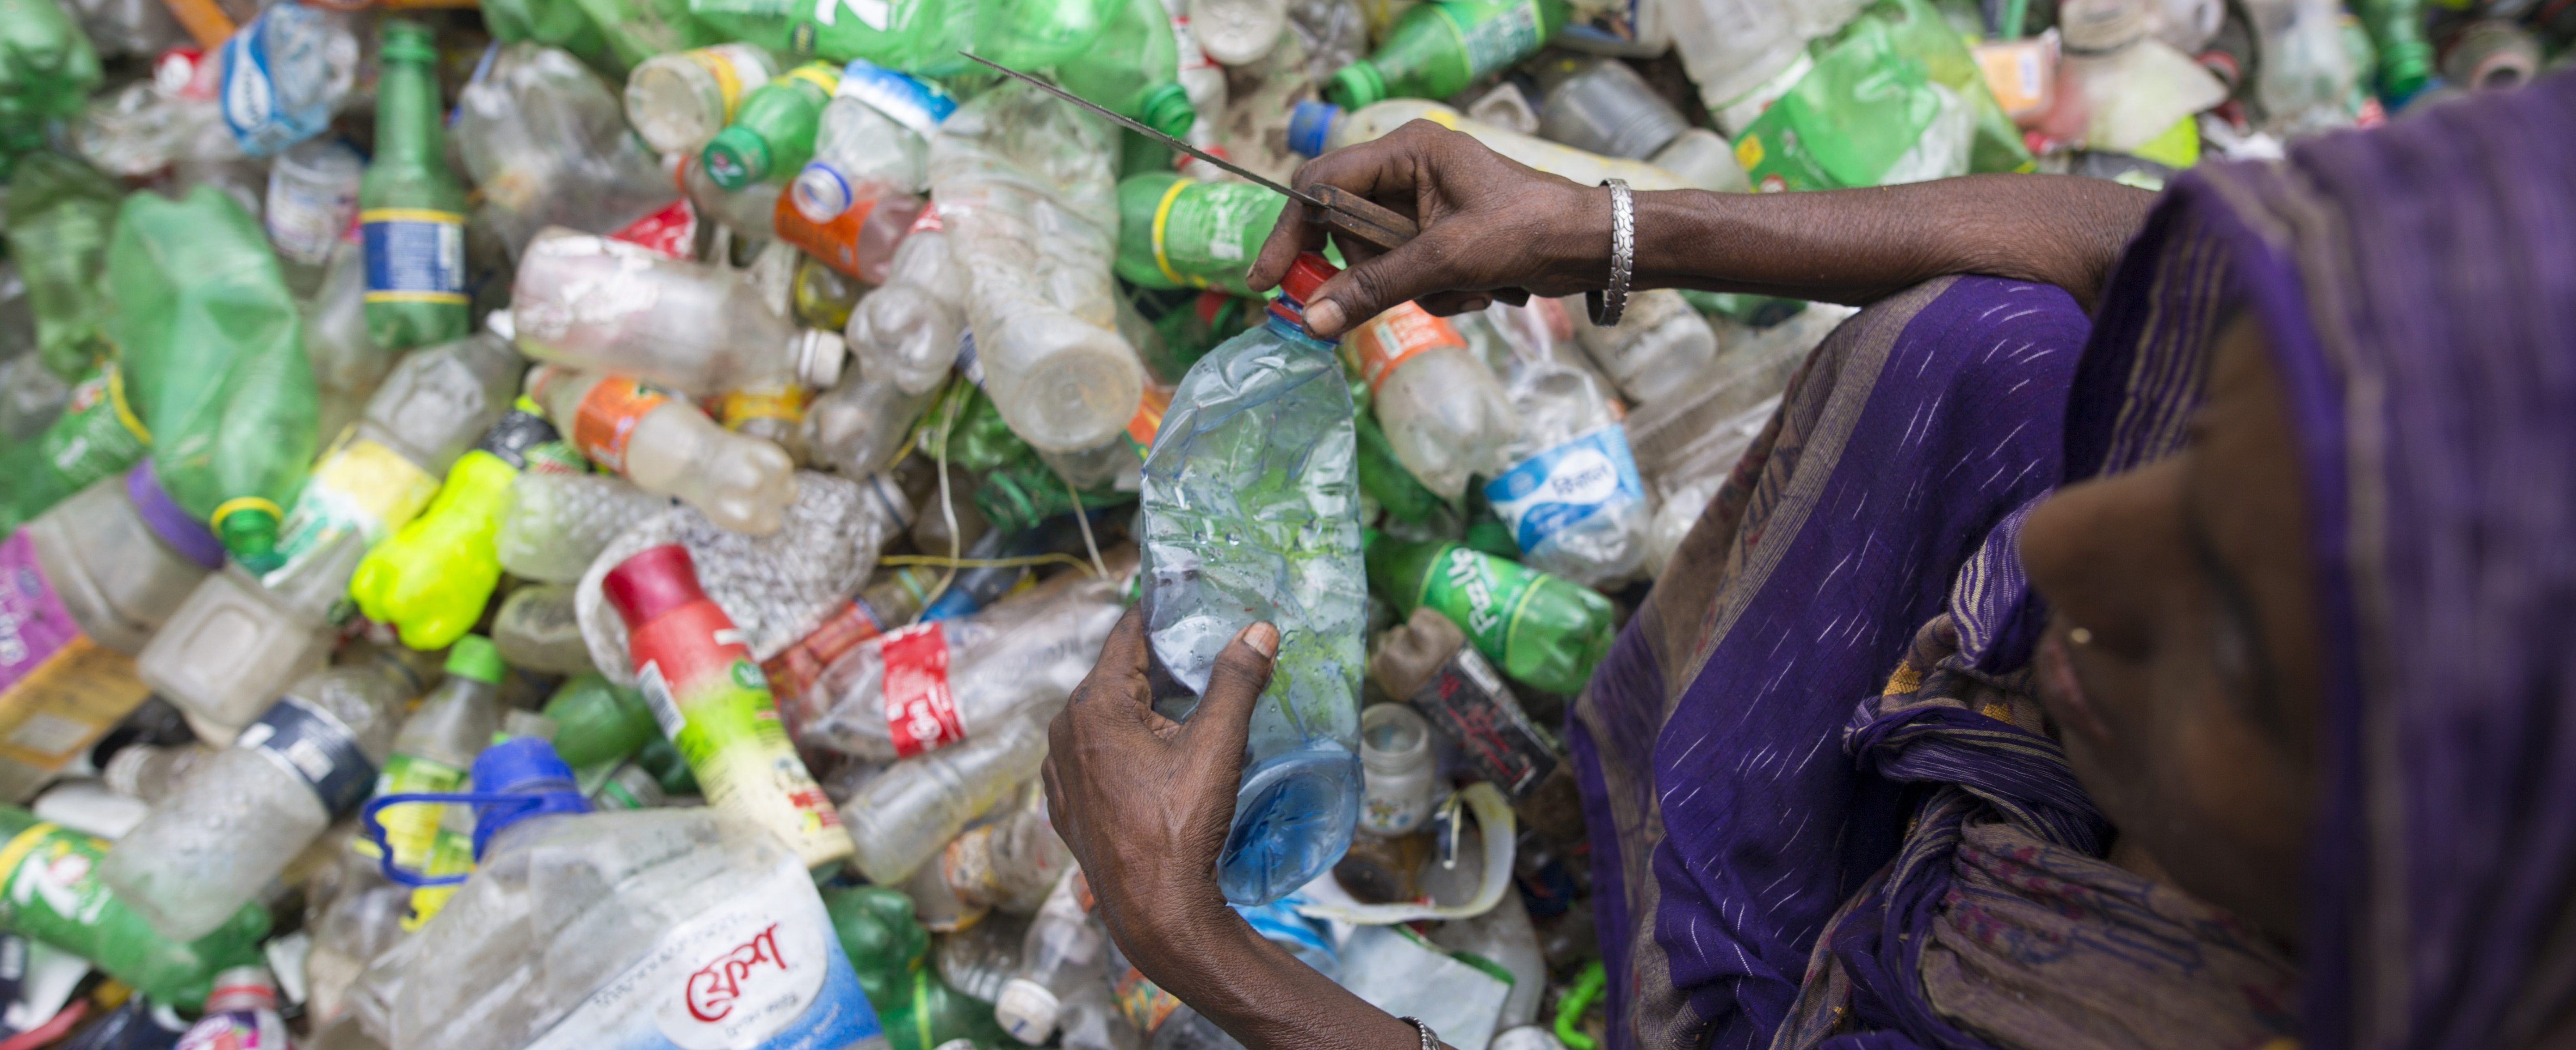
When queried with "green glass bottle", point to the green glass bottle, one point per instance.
{"points": [[410, 206], [50, 892], [60, 214], [1175, 232], [773, 129], [1436, 49], [1542, 630], [1134, 68]]}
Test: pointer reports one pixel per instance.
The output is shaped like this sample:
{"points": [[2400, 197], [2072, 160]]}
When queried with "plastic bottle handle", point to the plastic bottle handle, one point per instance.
{"points": [[375, 829]]}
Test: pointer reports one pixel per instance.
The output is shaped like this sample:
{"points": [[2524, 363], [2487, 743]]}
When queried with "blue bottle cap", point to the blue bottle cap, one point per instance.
{"points": [[527, 767], [1308, 124]]}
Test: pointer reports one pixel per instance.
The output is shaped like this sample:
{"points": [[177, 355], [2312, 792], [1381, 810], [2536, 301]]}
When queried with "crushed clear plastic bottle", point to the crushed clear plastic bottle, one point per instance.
{"points": [[1251, 513], [554, 525]]}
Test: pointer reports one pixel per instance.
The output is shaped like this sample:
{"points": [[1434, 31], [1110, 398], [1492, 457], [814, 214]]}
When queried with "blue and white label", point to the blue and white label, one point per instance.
{"points": [[281, 77], [414, 255], [317, 748], [909, 101], [1562, 486], [760, 972]]}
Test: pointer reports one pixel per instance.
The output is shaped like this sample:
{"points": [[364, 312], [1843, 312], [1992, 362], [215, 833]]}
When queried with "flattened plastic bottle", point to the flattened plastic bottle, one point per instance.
{"points": [[546, 143], [554, 524], [1251, 513], [1571, 495], [921, 37]]}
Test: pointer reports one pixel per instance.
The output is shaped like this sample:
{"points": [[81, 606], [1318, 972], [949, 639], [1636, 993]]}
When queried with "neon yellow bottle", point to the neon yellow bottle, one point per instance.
{"points": [[432, 579]]}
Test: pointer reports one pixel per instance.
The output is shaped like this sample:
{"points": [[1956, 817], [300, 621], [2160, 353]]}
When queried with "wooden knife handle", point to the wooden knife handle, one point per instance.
{"points": [[1353, 215]]}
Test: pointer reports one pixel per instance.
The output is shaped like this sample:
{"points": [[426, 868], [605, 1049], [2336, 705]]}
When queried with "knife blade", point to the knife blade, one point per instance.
{"points": [[1330, 206]]}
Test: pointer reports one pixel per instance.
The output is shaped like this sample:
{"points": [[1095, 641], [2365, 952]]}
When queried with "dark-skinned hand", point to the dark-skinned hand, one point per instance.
{"points": [[1143, 801], [1492, 227]]}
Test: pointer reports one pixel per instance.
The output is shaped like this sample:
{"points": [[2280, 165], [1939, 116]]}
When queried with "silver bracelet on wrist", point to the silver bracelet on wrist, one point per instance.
{"points": [[1607, 304], [1430, 1039]]}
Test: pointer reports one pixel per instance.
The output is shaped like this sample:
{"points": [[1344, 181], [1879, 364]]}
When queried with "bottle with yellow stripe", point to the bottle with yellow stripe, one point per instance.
{"points": [[773, 129], [411, 206], [1175, 232]]}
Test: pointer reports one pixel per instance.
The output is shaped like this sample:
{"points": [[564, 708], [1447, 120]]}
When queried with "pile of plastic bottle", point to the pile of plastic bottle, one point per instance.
{"points": [[565, 523]]}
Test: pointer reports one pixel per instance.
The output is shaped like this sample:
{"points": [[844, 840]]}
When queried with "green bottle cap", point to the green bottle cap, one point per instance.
{"points": [[249, 534], [1167, 109], [1356, 85], [474, 657], [737, 157], [409, 40]]}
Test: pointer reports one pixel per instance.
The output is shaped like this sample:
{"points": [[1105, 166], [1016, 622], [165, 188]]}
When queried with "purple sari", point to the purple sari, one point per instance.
{"points": [[1825, 811]]}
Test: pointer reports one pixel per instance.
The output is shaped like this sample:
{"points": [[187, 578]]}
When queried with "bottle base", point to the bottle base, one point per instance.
{"points": [[1292, 821]]}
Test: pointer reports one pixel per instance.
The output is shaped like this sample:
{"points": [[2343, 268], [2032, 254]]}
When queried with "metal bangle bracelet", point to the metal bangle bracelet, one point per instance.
{"points": [[1608, 304], [1430, 1039]]}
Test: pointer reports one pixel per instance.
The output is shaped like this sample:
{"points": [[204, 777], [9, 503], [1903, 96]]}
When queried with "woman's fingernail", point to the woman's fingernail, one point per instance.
{"points": [[1263, 639], [1324, 317]]}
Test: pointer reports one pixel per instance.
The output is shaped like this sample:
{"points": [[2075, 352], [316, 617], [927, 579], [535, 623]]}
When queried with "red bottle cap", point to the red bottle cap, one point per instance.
{"points": [[1308, 273], [654, 581]]}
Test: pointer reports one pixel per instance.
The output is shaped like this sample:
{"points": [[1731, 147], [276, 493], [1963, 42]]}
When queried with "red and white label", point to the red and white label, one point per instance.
{"points": [[927, 220], [921, 714], [715, 987], [672, 231]]}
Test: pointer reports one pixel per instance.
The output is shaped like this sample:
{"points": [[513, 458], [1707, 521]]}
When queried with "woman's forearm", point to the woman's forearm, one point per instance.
{"points": [[1857, 246], [1260, 994]]}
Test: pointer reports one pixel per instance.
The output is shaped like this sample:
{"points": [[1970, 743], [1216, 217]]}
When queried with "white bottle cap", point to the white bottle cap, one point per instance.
{"points": [[819, 356], [500, 323], [1026, 1010]]}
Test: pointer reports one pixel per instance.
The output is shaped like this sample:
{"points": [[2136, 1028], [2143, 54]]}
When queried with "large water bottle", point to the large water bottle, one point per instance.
{"points": [[659, 928], [284, 74], [876, 130], [205, 851], [1251, 513], [608, 306], [1025, 189]]}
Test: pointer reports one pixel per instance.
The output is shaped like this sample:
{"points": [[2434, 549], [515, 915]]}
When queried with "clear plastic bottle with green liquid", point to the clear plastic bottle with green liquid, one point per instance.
{"points": [[1436, 49]]}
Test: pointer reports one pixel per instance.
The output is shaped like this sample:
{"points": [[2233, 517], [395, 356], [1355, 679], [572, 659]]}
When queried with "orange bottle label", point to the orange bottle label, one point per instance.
{"points": [[1397, 335], [836, 243], [1148, 419], [608, 416]]}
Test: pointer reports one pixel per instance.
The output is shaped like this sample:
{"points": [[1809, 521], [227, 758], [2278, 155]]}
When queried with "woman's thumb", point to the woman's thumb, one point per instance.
{"points": [[1242, 671]]}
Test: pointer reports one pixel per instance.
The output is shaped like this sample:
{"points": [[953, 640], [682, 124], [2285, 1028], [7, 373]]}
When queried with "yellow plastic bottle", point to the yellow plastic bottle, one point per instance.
{"points": [[432, 579]]}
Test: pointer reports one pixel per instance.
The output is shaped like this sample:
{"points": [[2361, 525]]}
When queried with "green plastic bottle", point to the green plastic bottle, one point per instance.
{"points": [[61, 212], [213, 353], [1176, 232], [598, 722], [1436, 49], [411, 208], [50, 892], [1539, 629], [98, 434], [773, 130], [47, 66], [2405, 57], [920, 37], [890, 950], [1036, 34], [1135, 68]]}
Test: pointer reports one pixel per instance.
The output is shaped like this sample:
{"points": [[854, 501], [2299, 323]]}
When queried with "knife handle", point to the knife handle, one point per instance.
{"points": [[1351, 214]]}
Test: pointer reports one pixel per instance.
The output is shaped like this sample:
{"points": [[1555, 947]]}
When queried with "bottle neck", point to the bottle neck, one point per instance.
{"points": [[408, 130]]}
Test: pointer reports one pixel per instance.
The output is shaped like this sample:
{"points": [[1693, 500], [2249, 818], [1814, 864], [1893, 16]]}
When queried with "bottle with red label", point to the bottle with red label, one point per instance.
{"points": [[669, 448], [650, 929], [715, 706]]}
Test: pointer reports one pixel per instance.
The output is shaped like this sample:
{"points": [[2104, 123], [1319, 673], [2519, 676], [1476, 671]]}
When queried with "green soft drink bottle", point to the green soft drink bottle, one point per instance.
{"points": [[1540, 629], [1035, 34], [98, 434], [2405, 57], [50, 892], [1134, 68], [60, 214], [598, 722], [773, 130], [411, 207], [1175, 232], [920, 37], [1436, 49]]}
